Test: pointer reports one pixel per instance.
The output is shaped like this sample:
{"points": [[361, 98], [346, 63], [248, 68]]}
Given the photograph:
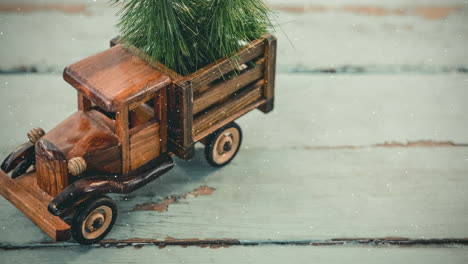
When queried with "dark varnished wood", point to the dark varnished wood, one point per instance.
{"points": [[160, 111], [22, 153], [95, 185], [31, 200], [270, 73], [180, 118], [114, 78]]}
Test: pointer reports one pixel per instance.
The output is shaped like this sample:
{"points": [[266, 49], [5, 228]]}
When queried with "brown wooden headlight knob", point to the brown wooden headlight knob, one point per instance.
{"points": [[35, 134], [76, 166]]}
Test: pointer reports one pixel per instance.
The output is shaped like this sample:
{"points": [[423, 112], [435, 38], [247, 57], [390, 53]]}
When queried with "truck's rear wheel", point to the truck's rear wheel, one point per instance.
{"points": [[223, 145], [94, 220]]}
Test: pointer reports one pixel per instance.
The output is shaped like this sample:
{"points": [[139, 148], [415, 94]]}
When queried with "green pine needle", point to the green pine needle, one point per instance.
{"points": [[186, 35]]}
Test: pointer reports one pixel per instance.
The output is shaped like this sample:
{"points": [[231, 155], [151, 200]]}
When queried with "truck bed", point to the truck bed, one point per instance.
{"points": [[217, 94]]}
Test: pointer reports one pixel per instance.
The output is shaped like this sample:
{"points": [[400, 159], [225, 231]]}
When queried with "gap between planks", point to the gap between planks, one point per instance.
{"points": [[293, 69], [218, 243], [391, 144]]}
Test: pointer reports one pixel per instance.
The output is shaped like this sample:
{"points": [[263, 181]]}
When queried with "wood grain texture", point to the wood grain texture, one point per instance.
{"points": [[271, 48], [213, 71], [122, 131], [264, 254], [114, 78], [33, 202], [237, 103], [51, 165], [224, 89], [300, 166], [346, 195], [180, 120], [84, 104], [88, 135], [409, 38], [144, 145], [80, 133]]}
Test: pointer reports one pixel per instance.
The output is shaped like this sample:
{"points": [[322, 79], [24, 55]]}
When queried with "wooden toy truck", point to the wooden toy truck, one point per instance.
{"points": [[133, 116]]}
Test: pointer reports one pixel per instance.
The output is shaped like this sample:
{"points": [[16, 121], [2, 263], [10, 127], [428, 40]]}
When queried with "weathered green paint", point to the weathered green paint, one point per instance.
{"points": [[266, 254], [314, 194], [330, 39], [314, 170]]}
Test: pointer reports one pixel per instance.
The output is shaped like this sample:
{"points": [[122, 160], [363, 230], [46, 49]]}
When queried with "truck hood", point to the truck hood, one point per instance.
{"points": [[84, 134]]}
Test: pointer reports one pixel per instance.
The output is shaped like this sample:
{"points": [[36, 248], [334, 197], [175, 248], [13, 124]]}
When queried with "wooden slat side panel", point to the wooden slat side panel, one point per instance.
{"points": [[29, 201], [215, 70], [231, 107], [144, 146], [180, 117], [224, 89]]}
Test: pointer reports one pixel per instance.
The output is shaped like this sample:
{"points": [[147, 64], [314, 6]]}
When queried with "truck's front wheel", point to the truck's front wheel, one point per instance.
{"points": [[94, 220], [223, 145]]}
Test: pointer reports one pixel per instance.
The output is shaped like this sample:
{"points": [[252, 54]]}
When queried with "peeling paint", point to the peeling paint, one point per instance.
{"points": [[435, 13], [28, 8], [164, 205], [374, 10], [300, 8], [201, 191], [427, 12], [138, 243], [170, 241], [422, 143], [409, 144]]}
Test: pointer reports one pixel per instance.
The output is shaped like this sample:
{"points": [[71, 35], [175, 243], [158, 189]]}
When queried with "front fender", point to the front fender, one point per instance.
{"points": [[22, 153], [89, 187]]}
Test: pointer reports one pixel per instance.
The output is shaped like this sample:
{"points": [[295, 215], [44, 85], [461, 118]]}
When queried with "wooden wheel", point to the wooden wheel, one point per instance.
{"points": [[223, 145], [94, 220]]}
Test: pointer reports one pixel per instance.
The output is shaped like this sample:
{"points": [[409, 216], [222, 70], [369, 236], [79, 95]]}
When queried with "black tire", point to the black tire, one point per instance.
{"points": [[223, 145], [93, 220]]}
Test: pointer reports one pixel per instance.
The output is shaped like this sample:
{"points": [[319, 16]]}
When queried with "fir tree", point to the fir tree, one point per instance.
{"points": [[185, 35]]}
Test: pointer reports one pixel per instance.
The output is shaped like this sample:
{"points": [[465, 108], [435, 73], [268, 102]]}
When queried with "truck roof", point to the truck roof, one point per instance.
{"points": [[114, 78]]}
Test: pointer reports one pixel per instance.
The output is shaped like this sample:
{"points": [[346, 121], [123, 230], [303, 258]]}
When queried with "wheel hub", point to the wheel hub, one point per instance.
{"points": [[226, 145], [97, 222]]}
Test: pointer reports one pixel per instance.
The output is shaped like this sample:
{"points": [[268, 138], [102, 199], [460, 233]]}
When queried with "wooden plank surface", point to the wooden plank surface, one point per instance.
{"points": [[349, 36], [266, 254], [341, 110], [366, 150]]}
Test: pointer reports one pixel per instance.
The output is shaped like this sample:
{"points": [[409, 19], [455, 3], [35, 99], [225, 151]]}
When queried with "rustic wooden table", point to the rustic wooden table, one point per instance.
{"points": [[365, 157]]}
